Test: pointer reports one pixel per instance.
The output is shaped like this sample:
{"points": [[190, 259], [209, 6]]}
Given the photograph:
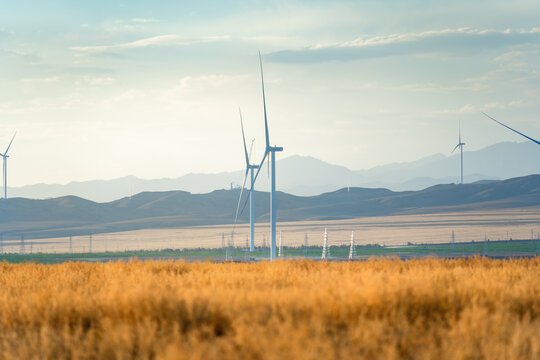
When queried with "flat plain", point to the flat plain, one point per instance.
{"points": [[384, 230]]}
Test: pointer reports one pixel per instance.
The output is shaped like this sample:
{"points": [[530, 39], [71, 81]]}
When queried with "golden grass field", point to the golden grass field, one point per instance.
{"points": [[377, 309], [383, 230]]}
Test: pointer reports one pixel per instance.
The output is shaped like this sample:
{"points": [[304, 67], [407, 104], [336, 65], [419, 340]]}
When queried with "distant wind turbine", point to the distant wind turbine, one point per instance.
{"points": [[4, 172], [272, 150], [508, 127], [249, 169], [460, 146]]}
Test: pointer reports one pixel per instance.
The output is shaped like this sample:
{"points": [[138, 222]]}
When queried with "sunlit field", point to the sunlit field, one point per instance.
{"points": [[376, 309]]}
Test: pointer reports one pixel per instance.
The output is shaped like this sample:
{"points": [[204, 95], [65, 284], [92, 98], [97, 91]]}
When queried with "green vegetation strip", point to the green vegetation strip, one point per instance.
{"points": [[528, 247]]}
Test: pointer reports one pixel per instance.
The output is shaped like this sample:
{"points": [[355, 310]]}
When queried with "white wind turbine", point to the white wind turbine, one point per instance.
{"points": [[460, 146], [272, 150], [4, 169], [249, 169]]}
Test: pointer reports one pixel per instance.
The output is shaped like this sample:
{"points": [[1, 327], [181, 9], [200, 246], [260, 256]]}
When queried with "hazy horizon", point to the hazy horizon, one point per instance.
{"points": [[101, 90], [241, 169]]}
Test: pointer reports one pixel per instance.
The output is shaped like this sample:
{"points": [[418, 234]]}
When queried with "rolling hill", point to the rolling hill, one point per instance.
{"points": [[71, 215]]}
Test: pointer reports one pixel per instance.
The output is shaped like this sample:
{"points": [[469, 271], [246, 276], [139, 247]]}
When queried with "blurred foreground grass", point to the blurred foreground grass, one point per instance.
{"points": [[381, 308]]}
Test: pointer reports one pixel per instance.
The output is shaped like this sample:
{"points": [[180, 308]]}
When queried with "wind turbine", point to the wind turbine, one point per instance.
{"points": [[249, 169], [5, 156], [272, 150], [508, 127], [460, 146]]}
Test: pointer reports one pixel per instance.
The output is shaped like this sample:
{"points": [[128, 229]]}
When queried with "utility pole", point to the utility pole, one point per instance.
{"points": [[352, 251], [223, 242], [280, 254], [21, 250], [325, 250], [228, 255], [247, 248], [306, 245]]}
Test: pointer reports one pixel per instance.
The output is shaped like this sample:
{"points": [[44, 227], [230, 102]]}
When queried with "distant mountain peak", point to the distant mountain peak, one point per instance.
{"points": [[307, 175]]}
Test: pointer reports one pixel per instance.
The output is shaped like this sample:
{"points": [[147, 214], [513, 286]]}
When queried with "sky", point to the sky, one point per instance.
{"points": [[104, 89]]}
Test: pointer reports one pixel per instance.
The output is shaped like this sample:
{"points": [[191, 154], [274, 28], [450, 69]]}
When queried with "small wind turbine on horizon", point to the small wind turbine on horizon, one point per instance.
{"points": [[4, 169], [508, 127], [460, 146], [249, 169]]}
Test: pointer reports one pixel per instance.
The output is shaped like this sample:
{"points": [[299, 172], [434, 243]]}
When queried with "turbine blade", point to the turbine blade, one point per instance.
{"points": [[252, 187], [260, 166], [243, 138], [508, 127], [253, 182], [244, 206], [251, 148], [240, 197], [264, 105], [5, 152], [458, 145]]}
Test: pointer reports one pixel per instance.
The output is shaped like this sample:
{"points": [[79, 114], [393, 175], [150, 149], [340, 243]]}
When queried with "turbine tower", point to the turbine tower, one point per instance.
{"points": [[249, 169], [272, 150], [460, 146], [4, 172], [508, 127]]}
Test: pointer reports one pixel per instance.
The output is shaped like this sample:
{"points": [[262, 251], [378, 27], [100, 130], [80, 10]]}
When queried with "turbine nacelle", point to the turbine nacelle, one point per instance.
{"points": [[458, 146]]}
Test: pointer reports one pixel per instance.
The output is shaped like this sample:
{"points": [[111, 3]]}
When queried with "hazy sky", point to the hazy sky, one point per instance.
{"points": [[103, 89]]}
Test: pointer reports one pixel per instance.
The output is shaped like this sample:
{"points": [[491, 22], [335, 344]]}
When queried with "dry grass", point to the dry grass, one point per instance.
{"points": [[379, 309]]}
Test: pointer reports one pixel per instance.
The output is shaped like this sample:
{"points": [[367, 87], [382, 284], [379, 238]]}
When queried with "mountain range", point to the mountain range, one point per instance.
{"points": [[71, 215], [308, 176]]}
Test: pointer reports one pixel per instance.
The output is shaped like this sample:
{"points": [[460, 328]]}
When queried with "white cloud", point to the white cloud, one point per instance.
{"points": [[410, 37], [420, 87], [161, 40], [96, 81], [4, 32], [200, 89], [145, 20], [209, 81], [511, 56], [460, 40], [470, 109], [516, 104], [45, 80]]}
